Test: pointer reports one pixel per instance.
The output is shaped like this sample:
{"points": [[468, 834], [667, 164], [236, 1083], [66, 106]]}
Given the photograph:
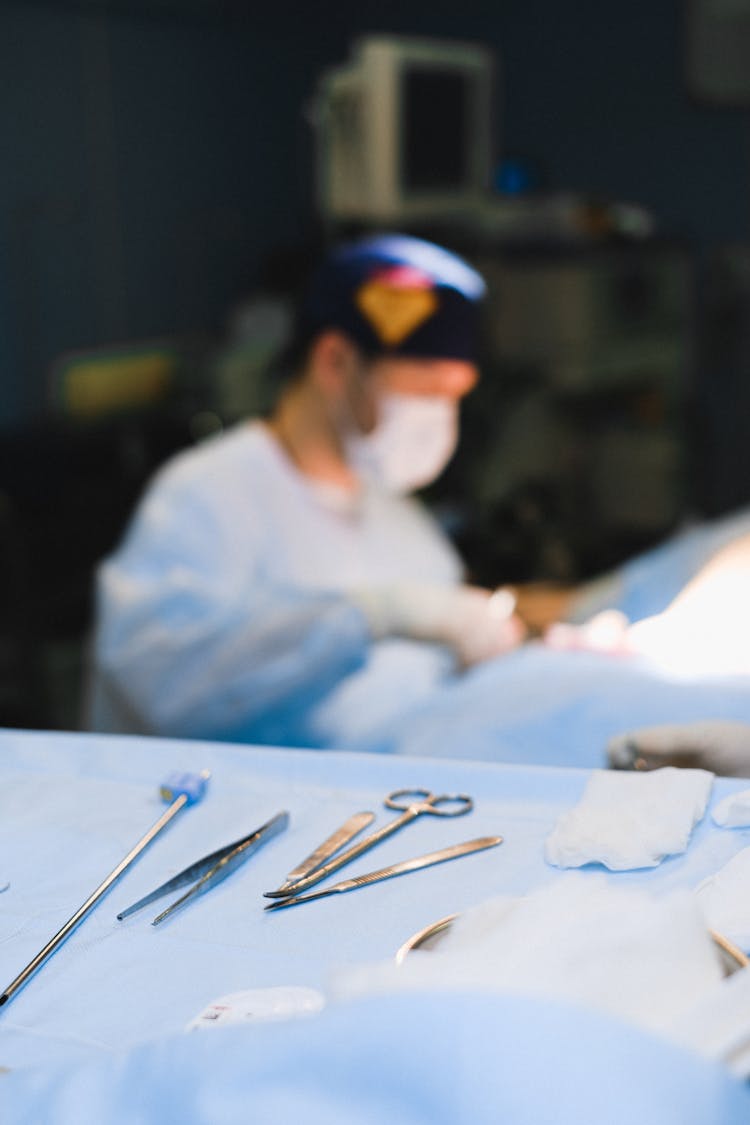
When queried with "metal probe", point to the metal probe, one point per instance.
{"points": [[181, 789]]}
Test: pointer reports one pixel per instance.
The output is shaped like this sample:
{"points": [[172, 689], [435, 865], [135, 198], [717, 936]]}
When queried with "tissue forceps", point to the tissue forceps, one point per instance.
{"points": [[418, 803], [205, 873]]}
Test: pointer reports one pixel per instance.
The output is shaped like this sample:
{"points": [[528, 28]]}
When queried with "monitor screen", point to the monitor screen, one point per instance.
{"points": [[435, 153], [404, 130]]}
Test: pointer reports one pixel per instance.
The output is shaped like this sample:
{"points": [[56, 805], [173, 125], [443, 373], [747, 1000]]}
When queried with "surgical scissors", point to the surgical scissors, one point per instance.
{"points": [[419, 802]]}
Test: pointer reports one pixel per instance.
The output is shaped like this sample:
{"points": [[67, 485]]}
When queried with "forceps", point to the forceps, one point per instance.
{"points": [[418, 803], [210, 870]]}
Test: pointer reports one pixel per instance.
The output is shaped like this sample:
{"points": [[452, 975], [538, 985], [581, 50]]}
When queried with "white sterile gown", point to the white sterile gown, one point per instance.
{"points": [[223, 614]]}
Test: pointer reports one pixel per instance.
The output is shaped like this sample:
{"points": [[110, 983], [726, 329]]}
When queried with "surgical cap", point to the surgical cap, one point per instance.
{"points": [[396, 295]]}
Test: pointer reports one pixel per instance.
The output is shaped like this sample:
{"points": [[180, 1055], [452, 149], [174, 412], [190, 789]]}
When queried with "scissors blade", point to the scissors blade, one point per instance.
{"points": [[455, 851], [209, 863], [333, 843]]}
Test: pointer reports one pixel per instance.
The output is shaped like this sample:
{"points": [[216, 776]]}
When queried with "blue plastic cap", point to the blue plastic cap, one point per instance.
{"points": [[190, 785]]}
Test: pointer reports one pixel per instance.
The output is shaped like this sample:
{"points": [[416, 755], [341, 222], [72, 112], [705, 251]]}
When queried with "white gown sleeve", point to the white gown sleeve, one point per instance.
{"points": [[189, 644]]}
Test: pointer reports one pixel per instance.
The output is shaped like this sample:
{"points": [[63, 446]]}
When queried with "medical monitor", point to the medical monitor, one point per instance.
{"points": [[404, 130]]}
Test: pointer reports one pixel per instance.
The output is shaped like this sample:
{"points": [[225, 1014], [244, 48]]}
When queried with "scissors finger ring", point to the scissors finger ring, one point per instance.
{"points": [[423, 801]]}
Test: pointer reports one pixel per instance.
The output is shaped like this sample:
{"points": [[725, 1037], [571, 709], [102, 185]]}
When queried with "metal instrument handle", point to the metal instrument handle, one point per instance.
{"points": [[351, 853], [426, 802], [455, 851], [351, 828], [429, 803]]}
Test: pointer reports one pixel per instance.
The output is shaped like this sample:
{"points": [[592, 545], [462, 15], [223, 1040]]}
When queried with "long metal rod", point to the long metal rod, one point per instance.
{"points": [[92, 900]]}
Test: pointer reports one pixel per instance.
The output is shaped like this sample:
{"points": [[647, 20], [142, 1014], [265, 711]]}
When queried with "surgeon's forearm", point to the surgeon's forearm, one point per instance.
{"points": [[213, 675]]}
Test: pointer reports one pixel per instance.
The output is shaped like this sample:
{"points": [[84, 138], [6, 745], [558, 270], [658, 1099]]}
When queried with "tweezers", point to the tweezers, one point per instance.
{"points": [[210, 870]]}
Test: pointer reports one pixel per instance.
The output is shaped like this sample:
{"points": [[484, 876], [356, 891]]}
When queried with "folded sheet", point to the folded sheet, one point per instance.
{"points": [[449, 1059], [718, 1025], [597, 944], [733, 811], [724, 899], [630, 820], [581, 938]]}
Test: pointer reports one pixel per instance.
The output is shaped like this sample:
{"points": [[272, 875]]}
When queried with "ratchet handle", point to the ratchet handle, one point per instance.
{"points": [[425, 802]]}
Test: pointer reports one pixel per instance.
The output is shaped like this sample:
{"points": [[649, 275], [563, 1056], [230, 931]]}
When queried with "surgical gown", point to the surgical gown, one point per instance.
{"points": [[224, 612]]}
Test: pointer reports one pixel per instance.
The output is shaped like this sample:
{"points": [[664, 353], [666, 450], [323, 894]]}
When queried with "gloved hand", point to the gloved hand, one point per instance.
{"points": [[608, 631], [686, 638], [719, 745], [477, 624]]}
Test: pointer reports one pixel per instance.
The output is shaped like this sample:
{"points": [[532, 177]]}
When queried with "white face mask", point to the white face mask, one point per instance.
{"points": [[413, 440]]}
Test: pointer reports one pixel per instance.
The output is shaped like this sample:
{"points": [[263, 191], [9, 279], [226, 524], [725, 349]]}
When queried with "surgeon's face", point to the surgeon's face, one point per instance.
{"points": [[446, 378], [403, 375]]}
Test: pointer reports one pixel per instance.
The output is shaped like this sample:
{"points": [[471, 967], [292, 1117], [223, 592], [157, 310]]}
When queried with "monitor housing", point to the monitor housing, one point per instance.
{"points": [[404, 131]]}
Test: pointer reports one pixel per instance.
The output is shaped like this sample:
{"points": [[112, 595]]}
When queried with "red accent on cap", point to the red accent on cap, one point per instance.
{"points": [[403, 277]]}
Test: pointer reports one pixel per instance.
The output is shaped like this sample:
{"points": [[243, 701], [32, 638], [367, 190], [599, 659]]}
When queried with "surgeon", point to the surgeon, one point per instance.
{"points": [[277, 584]]}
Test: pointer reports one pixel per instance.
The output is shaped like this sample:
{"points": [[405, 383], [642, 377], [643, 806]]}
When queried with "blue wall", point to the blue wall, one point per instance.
{"points": [[153, 152]]}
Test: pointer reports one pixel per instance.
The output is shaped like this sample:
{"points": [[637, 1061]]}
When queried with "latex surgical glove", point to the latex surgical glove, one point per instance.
{"points": [[719, 745], [608, 631], [476, 624], [686, 639]]}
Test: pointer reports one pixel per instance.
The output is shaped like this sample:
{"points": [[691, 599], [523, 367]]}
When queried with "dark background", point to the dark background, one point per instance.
{"points": [[154, 152], [157, 166]]}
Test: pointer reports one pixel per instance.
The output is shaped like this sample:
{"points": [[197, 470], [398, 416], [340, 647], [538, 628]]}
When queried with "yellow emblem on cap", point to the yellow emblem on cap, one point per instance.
{"points": [[395, 311]]}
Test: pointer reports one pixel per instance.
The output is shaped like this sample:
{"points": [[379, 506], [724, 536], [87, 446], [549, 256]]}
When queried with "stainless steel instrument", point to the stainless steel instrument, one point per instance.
{"points": [[419, 802], [180, 790], [212, 869], [333, 843], [455, 851]]}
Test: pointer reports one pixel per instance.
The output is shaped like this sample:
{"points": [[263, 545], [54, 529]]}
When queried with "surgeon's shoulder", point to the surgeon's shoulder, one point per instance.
{"points": [[227, 459]]}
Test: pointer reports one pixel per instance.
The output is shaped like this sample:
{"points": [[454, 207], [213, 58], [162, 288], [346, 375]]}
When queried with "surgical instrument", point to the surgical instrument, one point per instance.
{"points": [[455, 851], [180, 789], [422, 802], [736, 958], [333, 843], [423, 937], [212, 869]]}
